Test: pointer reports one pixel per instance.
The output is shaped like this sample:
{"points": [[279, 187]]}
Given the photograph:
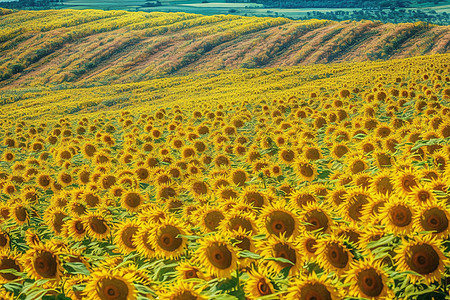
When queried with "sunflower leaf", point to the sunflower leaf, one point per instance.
{"points": [[36, 293], [249, 254], [189, 237], [259, 237], [76, 268], [280, 259]]}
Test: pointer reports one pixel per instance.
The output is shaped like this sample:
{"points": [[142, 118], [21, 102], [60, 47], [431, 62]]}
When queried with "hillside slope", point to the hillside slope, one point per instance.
{"points": [[93, 46], [421, 78]]}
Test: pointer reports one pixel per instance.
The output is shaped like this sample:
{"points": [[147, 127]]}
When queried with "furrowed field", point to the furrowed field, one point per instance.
{"points": [[315, 182]]}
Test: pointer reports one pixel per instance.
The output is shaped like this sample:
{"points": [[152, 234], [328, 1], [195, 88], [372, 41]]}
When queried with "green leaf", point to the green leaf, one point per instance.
{"points": [[259, 237], [280, 259], [189, 237], [225, 297], [249, 254], [36, 293], [76, 268], [142, 288], [381, 242]]}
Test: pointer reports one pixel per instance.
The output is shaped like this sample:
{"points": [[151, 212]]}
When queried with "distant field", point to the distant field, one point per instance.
{"points": [[219, 7], [59, 46]]}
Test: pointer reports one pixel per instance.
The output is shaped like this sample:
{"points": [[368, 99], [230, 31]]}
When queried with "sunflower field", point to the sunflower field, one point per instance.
{"points": [[320, 183]]}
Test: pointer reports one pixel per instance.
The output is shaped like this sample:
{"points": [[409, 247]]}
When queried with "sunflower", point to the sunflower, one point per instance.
{"points": [[356, 164], [110, 284], [209, 218], [227, 193], [433, 217], [124, 234], [382, 183], [259, 284], [421, 255], [397, 215], [166, 191], [20, 212], [307, 243], [316, 218], [350, 232], [333, 254], [279, 219], [77, 207], [166, 241], [302, 197], [188, 270], [421, 195], [253, 196], [312, 287], [287, 249], [305, 170], [351, 210], [75, 229], [30, 194], [43, 262], [91, 199], [383, 159], [238, 219], [285, 154], [182, 290], [142, 240], [337, 196], [8, 156], [96, 225], [54, 218], [72, 285], [9, 261], [339, 149], [199, 188], [239, 176], [370, 212], [217, 256], [132, 200], [405, 180]]}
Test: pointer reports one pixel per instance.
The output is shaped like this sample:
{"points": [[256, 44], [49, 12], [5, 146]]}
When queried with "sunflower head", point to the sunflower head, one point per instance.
{"points": [[43, 262], [368, 279], [217, 256], [259, 283], [110, 284], [283, 248], [316, 218], [166, 241], [422, 255], [312, 287], [433, 217], [333, 254], [279, 219], [397, 215], [123, 237]]}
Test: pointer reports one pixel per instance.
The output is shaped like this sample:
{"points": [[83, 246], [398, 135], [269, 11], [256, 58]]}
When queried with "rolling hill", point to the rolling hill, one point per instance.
{"points": [[101, 47]]}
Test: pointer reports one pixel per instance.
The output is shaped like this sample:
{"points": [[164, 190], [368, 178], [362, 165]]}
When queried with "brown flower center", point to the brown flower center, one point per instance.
{"points": [[112, 289], [370, 282], [314, 291], [279, 222], [168, 239], [45, 264], [434, 219], [336, 255], [422, 259], [219, 256], [401, 216]]}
